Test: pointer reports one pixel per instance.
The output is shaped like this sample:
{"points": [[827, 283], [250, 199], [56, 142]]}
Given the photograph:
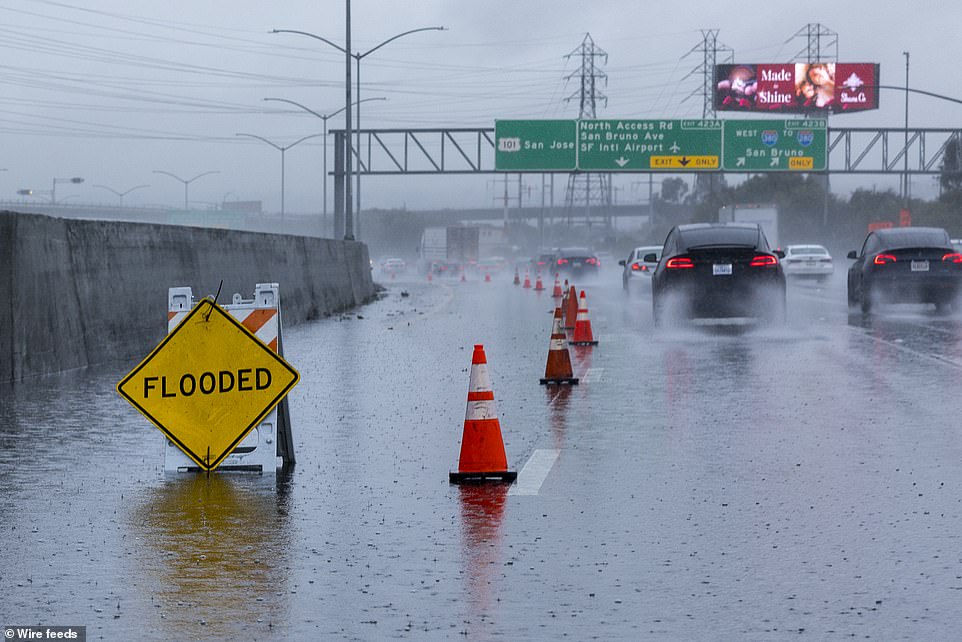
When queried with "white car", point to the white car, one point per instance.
{"points": [[811, 261], [636, 269], [393, 265]]}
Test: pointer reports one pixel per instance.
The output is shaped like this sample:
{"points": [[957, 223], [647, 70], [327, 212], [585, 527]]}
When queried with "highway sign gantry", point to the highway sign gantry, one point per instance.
{"points": [[535, 145], [775, 145], [649, 145], [208, 384]]}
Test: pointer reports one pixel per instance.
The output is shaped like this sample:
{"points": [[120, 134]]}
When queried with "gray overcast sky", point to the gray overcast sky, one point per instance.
{"points": [[111, 90]]}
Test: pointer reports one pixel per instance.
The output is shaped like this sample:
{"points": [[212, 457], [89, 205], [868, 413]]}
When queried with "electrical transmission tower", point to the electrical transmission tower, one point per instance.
{"points": [[711, 50], [585, 189], [821, 44]]}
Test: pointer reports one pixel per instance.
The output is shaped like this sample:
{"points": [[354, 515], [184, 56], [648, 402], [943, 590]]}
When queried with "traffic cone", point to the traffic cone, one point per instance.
{"points": [[556, 291], [582, 335], [538, 285], [463, 279], [430, 278], [517, 279], [487, 277], [571, 309], [558, 368], [527, 281], [482, 449]]}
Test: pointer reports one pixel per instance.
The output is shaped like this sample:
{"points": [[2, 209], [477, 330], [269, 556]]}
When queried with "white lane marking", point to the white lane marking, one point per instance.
{"points": [[534, 473], [592, 375]]}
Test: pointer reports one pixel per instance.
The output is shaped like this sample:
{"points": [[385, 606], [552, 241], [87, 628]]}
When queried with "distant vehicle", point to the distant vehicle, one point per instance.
{"points": [[957, 244], [905, 265], [453, 244], [576, 262], [545, 261], [636, 269], [492, 265], [717, 270], [812, 261], [765, 216], [394, 265]]}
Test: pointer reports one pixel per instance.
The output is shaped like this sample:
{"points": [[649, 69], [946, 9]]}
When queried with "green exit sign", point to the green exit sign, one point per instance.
{"points": [[535, 145], [775, 145]]}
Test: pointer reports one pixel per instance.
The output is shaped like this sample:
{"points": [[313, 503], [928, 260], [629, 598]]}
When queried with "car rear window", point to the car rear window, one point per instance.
{"points": [[728, 236], [908, 237], [809, 249]]}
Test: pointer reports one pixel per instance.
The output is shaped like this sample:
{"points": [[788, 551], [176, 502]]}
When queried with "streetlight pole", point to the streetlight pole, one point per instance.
{"points": [[325, 118], [905, 177], [186, 182], [121, 194], [282, 150], [76, 180], [358, 57], [346, 50]]}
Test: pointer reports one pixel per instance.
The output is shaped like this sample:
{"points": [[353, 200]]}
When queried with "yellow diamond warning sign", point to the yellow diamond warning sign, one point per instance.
{"points": [[208, 384]]}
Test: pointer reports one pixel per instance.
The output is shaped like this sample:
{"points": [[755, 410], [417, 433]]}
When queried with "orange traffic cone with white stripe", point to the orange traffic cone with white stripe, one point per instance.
{"points": [[527, 281], [582, 335], [571, 309], [556, 291], [538, 285], [558, 369], [517, 279], [482, 448], [487, 277]]}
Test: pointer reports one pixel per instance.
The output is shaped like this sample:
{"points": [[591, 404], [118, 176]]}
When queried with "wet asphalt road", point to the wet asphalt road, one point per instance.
{"points": [[710, 482]]}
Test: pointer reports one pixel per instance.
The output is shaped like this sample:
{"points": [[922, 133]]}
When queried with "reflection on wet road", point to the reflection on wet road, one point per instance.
{"points": [[713, 481]]}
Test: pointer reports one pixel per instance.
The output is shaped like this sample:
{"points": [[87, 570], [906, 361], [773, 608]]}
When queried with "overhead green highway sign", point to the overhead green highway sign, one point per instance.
{"points": [[775, 145], [535, 145], [649, 145]]}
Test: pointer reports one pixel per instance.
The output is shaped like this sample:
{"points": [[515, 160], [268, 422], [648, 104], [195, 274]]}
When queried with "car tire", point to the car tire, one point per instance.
{"points": [[865, 300], [624, 283], [943, 307], [657, 311], [852, 299]]}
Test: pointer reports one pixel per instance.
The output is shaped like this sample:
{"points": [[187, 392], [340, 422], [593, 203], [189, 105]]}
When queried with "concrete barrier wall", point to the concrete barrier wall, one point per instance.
{"points": [[78, 292]]}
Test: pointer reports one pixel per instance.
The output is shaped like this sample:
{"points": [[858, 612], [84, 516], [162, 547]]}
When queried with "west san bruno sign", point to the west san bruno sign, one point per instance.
{"points": [[662, 145]]}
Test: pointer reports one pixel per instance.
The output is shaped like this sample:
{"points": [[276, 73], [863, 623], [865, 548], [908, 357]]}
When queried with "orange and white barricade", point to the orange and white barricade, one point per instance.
{"points": [[270, 446]]}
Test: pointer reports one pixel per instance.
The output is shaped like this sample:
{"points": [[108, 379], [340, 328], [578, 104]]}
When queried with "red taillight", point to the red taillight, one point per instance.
{"points": [[679, 262], [637, 266], [882, 259], [764, 260], [954, 257], [593, 261], [562, 261]]}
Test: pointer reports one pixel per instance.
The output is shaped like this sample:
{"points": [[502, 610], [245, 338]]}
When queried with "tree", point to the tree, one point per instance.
{"points": [[950, 179], [673, 190]]}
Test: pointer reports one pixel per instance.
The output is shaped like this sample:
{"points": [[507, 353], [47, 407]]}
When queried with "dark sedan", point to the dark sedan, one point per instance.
{"points": [[575, 262], [905, 265], [718, 270]]}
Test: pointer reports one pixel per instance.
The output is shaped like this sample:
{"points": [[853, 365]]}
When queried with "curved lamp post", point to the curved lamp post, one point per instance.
{"points": [[358, 56], [121, 194], [325, 118], [281, 149], [187, 181]]}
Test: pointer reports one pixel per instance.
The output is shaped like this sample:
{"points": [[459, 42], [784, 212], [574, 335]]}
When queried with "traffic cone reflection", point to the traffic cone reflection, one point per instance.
{"points": [[571, 309], [558, 368], [482, 448], [527, 281], [582, 335]]}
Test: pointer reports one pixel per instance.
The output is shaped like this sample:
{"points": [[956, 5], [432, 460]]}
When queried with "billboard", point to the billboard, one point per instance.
{"points": [[802, 88]]}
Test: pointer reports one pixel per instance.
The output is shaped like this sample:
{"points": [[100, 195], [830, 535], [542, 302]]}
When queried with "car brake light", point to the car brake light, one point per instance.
{"points": [[764, 260], [679, 262], [562, 261], [954, 257], [592, 261], [637, 266], [882, 259]]}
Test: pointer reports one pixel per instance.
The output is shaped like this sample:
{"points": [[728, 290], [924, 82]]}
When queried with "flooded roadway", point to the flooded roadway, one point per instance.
{"points": [[711, 482]]}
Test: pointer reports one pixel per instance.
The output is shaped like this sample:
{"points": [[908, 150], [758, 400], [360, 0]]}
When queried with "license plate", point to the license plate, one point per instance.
{"points": [[576, 264], [920, 266], [719, 269]]}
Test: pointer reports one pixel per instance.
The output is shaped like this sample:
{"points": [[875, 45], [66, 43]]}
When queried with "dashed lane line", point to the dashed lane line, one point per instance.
{"points": [[534, 473]]}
